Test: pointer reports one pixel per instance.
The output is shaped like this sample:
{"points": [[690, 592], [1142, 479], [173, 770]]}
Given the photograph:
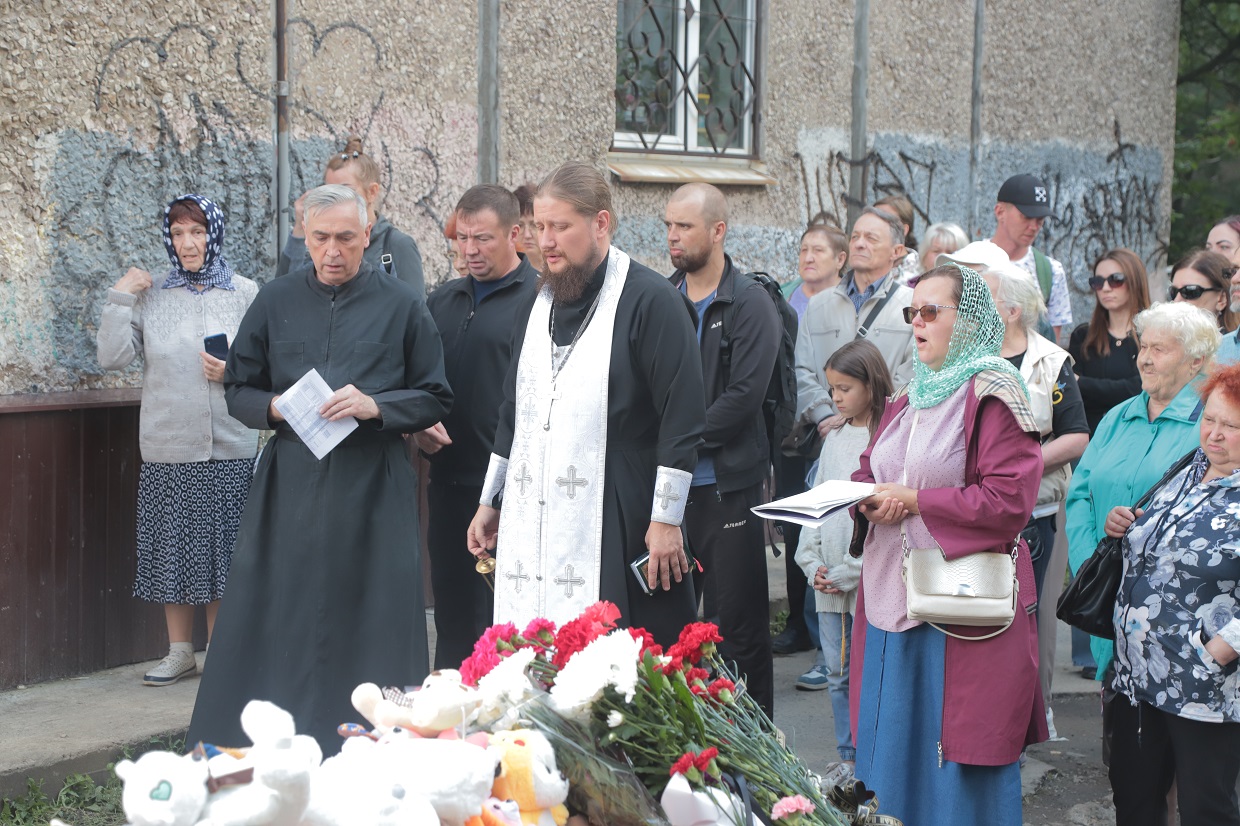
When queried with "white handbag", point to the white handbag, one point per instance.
{"points": [[978, 589]]}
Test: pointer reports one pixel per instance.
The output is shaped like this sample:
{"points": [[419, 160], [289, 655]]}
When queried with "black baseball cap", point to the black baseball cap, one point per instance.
{"points": [[1028, 193]]}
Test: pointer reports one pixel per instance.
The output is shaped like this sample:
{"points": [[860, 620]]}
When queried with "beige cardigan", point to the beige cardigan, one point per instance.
{"points": [[184, 416]]}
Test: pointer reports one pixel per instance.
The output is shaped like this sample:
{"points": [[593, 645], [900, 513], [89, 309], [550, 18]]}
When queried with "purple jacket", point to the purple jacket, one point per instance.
{"points": [[992, 700]]}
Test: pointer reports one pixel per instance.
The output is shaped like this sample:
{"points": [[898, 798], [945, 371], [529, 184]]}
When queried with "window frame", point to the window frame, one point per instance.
{"points": [[681, 140]]}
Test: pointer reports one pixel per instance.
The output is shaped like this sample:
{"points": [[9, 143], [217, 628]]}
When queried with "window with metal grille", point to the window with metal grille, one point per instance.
{"points": [[686, 79]]}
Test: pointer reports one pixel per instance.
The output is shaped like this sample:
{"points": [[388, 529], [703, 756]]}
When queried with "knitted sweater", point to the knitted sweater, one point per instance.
{"points": [[184, 417], [828, 544]]}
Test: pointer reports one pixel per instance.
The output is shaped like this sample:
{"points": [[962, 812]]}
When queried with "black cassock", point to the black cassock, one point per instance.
{"points": [[325, 590], [656, 410]]}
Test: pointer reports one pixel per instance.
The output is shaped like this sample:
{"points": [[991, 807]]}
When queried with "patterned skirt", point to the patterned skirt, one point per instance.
{"points": [[187, 525]]}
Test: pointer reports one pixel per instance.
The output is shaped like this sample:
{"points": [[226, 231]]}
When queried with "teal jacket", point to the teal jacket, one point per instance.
{"points": [[1126, 456]]}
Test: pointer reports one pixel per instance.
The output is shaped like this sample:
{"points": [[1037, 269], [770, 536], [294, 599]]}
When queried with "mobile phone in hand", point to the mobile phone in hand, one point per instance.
{"points": [[216, 345]]}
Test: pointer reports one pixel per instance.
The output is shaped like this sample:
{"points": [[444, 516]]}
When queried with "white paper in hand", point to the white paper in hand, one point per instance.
{"points": [[817, 504], [299, 405]]}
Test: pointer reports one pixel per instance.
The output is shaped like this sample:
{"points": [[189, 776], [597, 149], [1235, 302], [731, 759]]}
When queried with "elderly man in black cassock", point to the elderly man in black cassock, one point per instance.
{"points": [[599, 429], [325, 590]]}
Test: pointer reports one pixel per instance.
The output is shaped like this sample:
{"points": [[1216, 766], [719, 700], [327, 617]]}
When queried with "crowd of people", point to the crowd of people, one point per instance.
{"points": [[598, 430]]}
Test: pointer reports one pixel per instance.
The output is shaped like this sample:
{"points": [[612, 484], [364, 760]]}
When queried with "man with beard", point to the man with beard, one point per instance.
{"points": [[598, 432], [739, 334]]}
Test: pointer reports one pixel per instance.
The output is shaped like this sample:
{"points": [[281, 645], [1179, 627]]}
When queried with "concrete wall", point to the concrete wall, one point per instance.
{"points": [[114, 108]]}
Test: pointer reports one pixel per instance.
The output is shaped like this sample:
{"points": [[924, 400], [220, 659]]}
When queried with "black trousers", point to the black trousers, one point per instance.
{"points": [[789, 480], [464, 605], [1151, 748], [729, 543]]}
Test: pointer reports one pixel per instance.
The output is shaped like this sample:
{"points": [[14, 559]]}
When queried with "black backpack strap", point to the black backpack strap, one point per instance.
{"points": [[864, 329], [386, 258]]}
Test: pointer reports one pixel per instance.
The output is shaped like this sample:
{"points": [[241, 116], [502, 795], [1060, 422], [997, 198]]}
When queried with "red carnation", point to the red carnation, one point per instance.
{"points": [[702, 761], [696, 675], [541, 631], [684, 765], [722, 690]]}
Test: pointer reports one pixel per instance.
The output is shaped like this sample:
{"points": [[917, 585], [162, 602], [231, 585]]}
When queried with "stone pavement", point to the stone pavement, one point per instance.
{"points": [[80, 725]]}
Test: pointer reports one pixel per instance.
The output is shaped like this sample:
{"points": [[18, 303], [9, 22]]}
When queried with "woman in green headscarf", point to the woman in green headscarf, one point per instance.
{"points": [[940, 722]]}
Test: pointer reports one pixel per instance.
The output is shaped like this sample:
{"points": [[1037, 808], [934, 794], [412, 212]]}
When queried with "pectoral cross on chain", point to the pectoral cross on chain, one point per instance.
{"points": [[568, 580], [517, 578], [551, 399], [666, 496]]}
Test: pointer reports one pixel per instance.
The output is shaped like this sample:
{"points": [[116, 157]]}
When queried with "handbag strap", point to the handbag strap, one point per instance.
{"points": [[1167, 477], [864, 329]]}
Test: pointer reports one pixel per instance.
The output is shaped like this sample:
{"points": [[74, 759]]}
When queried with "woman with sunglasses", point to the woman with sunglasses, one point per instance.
{"points": [[1203, 279], [940, 721], [1105, 350]]}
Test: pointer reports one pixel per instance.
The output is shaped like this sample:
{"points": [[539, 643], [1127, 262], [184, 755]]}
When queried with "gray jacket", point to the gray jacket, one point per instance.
{"points": [[184, 417], [830, 322]]}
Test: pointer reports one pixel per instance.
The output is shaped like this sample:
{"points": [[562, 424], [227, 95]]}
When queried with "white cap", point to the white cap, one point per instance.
{"points": [[977, 255]]}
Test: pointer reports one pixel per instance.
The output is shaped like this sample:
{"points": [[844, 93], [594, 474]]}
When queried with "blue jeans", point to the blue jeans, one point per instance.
{"points": [[835, 632]]}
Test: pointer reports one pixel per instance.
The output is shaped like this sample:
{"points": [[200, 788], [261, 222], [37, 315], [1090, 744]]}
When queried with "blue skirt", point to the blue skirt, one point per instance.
{"points": [[899, 728]]}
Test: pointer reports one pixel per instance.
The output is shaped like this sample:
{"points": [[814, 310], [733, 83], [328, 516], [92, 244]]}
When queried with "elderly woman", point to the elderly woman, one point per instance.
{"points": [[939, 239], [940, 721], [196, 459], [1177, 627], [1203, 279], [390, 250], [1140, 438]]}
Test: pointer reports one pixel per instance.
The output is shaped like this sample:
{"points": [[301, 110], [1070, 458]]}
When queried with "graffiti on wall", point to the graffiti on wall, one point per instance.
{"points": [[110, 182], [1101, 198]]}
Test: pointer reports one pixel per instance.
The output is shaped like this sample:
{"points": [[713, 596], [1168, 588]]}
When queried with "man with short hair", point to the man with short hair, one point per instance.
{"points": [[867, 303], [1021, 209], [475, 316], [325, 590], [722, 533], [598, 432]]}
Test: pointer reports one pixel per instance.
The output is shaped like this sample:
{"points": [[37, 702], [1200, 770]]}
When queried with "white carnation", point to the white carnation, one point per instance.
{"points": [[505, 686], [609, 660], [614, 719]]}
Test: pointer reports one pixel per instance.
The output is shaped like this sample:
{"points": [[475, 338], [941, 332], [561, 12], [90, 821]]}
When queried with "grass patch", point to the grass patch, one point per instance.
{"points": [[778, 623]]}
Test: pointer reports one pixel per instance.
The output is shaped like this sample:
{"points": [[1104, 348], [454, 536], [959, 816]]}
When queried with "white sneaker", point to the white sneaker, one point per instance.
{"points": [[171, 668]]}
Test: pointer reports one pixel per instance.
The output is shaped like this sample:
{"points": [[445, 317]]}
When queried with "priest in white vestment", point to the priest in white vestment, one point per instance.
{"points": [[598, 433]]}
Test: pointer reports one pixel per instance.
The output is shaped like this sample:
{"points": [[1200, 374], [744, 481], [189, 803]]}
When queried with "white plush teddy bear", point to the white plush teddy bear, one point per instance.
{"points": [[163, 789], [454, 776], [283, 762], [443, 702]]}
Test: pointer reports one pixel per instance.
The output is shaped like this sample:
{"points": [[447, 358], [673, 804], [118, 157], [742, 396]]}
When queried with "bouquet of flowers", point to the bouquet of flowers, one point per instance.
{"points": [[662, 714]]}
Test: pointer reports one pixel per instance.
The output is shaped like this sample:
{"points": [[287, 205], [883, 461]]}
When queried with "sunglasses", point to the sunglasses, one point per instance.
{"points": [[1115, 279], [928, 312], [1192, 292]]}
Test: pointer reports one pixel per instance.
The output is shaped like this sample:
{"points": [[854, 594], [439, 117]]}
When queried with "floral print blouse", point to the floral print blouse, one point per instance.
{"points": [[1182, 583]]}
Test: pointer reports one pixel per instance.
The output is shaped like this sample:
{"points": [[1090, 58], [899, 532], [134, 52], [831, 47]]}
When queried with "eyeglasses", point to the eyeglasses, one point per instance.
{"points": [[928, 312], [1191, 292], [1115, 279]]}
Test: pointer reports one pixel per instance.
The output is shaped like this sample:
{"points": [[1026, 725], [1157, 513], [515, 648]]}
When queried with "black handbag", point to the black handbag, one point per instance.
{"points": [[1088, 603]]}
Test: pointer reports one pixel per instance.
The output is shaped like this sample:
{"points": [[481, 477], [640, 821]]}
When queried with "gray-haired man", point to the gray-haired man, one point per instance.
{"points": [[325, 590]]}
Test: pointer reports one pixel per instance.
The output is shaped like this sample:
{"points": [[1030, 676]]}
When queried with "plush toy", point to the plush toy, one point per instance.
{"points": [[528, 776], [163, 789], [282, 762], [454, 776], [349, 790], [443, 702]]}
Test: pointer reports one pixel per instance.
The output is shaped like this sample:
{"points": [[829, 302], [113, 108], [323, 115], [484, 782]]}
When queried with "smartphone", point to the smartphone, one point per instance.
{"points": [[216, 345], [641, 566]]}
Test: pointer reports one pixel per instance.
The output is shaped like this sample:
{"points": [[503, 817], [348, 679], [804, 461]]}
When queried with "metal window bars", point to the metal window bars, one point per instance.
{"points": [[686, 80]]}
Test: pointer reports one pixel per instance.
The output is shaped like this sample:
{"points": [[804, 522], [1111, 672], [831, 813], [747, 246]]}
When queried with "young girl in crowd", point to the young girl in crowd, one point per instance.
{"points": [[860, 384]]}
